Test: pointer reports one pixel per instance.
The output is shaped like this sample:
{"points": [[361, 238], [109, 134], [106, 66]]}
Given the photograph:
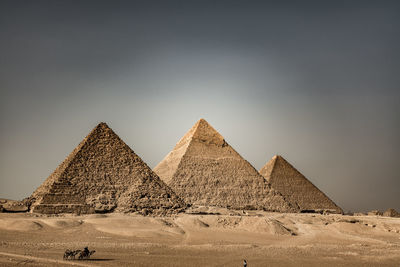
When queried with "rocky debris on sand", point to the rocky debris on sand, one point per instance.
{"points": [[391, 213], [204, 169], [374, 213], [296, 188], [7, 205], [103, 174]]}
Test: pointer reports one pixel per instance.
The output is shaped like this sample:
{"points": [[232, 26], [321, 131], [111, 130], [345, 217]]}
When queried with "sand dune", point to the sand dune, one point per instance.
{"points": [[20, 225], [263, 238], [63, 223]]}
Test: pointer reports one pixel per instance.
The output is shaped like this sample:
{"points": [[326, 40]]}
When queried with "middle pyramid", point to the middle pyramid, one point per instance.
{"points": [[204, 169]]}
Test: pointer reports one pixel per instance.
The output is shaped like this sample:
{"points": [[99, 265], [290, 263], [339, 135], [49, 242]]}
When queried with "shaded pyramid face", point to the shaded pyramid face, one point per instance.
{"points": [[295, 187], [204, 169], [103, 174]]}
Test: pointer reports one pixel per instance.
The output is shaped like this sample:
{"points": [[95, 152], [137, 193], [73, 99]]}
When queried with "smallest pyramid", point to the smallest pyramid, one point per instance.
{"points": [[295, 187]]}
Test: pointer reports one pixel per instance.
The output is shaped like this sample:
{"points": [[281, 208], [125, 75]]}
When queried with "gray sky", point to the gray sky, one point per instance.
{"points": [[316, 82]]}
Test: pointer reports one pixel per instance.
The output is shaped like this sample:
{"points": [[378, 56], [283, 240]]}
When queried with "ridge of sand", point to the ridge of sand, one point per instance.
{"points": [[204, 169], [263, 238], [295, 187]]}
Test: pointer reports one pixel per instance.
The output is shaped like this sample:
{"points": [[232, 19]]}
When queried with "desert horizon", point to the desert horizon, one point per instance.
{"points": [[199, 133]]}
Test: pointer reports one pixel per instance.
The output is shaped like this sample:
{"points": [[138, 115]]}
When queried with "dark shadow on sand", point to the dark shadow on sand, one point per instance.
{"points": [[97, 260]]}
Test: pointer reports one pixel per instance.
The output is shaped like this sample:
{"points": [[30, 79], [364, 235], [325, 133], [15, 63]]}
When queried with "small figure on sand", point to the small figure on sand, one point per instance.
{"points": [[244, 263], [82, 254], [85, 254]]}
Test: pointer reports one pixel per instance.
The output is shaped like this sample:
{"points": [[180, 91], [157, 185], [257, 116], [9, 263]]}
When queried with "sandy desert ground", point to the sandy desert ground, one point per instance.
{"points": [[224, 239]]}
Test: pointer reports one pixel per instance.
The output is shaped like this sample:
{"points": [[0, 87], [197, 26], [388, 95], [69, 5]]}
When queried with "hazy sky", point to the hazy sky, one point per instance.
{"points": [[316, 82]]}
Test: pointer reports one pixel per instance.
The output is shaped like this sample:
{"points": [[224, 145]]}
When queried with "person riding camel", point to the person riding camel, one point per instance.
{"points": [[86, 251]]}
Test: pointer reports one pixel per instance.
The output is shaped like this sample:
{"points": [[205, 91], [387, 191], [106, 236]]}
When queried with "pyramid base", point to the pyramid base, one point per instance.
{"points": [[62, 208]]}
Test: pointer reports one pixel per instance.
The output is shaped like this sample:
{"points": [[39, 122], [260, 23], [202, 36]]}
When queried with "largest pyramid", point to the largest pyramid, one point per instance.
{"points": [[103, 174], [204, 169], [296, 187]]}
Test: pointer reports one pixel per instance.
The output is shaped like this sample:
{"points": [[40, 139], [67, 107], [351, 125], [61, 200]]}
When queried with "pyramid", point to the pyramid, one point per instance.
{"points": [[103, 174], [203, 169], [296, 188]]}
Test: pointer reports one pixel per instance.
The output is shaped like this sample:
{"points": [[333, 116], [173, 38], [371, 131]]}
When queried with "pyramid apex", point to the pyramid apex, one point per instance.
{"points": [[201, 122], [276, 157], [102, 125], [204, 132]]}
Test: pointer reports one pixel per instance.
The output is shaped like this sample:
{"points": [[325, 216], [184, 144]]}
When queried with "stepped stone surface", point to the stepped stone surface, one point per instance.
{"points": [[103, 174], [205, 170], [295, 187]]}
